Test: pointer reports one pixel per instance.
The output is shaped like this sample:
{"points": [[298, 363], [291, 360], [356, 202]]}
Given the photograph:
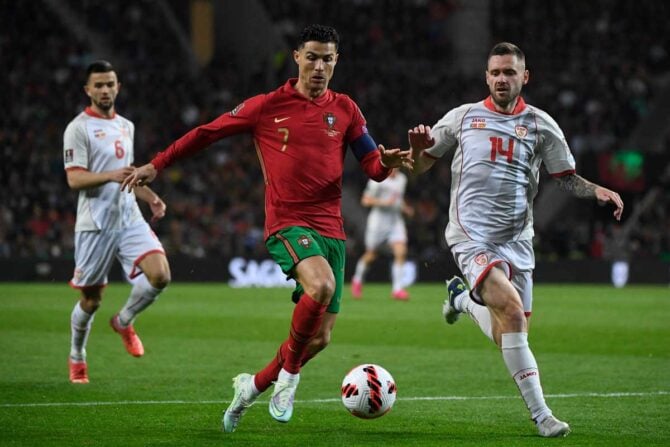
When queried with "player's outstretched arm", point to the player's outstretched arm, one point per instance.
{"points": [[84, 179], [582, 188], [395, 158], [139, 177], [420, 139]]}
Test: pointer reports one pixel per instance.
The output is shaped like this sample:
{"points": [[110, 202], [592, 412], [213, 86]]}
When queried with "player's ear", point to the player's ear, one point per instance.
{"points": [[526, 77], [296, 56]]}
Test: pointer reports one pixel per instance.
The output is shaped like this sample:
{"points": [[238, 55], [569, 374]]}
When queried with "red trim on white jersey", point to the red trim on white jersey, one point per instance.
{"points": [[564, 173], [76, 168], [135, 272], [481, 277], [518, 108], [460, 179], [90, 112], [83, 288]]}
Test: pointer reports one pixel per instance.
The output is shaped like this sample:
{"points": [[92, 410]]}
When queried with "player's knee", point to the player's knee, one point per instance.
{"points": [[160, 279], [90, 299], [514, 314], [322, 290]]}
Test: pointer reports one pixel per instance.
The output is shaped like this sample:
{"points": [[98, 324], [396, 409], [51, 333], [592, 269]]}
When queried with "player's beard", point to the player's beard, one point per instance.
{"points": [[504, 100], [104, 105]]}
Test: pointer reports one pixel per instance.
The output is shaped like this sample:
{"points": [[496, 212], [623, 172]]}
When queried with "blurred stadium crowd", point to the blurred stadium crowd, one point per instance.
{"points": [[593, 67]]}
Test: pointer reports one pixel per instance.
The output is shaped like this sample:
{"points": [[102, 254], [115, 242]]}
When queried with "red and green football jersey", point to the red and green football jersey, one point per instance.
{"points": [[301, 145]]}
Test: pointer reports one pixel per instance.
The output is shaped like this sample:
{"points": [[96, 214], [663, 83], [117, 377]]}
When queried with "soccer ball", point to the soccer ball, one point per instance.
{"points": [[368, 391]]}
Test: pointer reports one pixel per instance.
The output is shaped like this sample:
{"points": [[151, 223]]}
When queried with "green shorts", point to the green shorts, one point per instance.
{"points": [[293, 244]]}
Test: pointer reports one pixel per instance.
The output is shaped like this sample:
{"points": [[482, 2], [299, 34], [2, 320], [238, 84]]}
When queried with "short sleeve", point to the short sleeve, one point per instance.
{"points": [[75, 145], [372, 189], [445, 134], [554, 149]]}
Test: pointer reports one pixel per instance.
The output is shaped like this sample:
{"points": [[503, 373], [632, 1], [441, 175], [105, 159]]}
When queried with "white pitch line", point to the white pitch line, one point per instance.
{"points": [[319, 401]]}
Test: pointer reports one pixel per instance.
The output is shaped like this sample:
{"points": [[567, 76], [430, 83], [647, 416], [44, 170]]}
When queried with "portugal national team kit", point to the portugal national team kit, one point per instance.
{"points": [[301, 145]]}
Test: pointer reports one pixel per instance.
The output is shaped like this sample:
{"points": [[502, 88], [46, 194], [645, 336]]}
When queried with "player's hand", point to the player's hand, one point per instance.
{"points": [[139, 177], [158, 208], [419, 139], [604, 196], [119, 175], [395, 158]]}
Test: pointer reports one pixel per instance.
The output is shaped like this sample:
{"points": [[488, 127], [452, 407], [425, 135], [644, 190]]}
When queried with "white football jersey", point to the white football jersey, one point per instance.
{"points": [[393, 189], [99, 144], [496, 168]]}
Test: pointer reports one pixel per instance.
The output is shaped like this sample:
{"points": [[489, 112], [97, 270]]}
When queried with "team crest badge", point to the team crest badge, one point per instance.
{"points": [[329, 118], [304, 241], [521, 131], [69, 155], [481, 259], [236, 110]]}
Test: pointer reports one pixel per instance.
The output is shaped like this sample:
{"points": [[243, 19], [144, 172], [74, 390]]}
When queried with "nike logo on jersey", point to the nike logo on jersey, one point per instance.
{"points": [[279, 120]]}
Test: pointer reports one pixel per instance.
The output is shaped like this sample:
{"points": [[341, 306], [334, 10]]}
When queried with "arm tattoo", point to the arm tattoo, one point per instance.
{"points": [[577, 186]]}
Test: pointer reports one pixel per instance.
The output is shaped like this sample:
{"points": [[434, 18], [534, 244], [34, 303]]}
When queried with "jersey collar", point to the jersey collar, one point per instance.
{"points": [[90, 112], [520, 106], [322, 100]]}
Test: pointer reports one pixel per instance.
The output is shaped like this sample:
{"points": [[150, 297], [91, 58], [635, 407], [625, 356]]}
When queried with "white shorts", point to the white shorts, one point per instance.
{"points": [[376, 235], [517, 259], [94, 252]]}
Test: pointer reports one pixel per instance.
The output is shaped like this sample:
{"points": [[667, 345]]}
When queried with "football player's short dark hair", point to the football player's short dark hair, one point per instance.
{"points": [[504, 48], [319, 33], [99, 66]]}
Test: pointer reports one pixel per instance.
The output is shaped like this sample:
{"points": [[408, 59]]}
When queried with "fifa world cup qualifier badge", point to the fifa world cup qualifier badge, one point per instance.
{"points": [[304, 241]]}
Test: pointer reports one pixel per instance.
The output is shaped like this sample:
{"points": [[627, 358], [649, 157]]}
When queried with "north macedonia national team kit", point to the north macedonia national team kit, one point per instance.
{"points": [[109, 221], [494, 179], [385, 223], [301, 145]]}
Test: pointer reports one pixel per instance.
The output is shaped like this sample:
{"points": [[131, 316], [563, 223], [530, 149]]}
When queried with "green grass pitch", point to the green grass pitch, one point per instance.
{"points": [[604, 357]]}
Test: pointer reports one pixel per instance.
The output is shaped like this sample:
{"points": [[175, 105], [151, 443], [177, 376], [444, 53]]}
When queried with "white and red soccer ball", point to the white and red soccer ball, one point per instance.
{"points": [[368, 391]]}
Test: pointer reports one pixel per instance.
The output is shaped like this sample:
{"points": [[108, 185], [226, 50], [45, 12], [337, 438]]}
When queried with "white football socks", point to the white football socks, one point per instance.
{"points": [[80, 325], [522, 366], [397, 271], [359, 273], [141, 297], [478, 313]]}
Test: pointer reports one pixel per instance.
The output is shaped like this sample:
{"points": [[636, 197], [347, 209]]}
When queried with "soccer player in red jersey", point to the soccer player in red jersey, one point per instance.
{"points": [[301, 132]]}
